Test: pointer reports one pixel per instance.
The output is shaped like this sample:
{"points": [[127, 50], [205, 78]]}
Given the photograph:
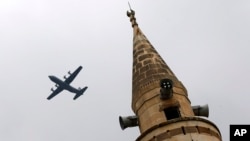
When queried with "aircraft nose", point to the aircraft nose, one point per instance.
{"points": [[50, 76]]}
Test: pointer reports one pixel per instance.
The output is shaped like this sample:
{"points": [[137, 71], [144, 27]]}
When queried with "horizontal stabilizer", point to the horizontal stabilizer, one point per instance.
{"points": [[80, 93]]}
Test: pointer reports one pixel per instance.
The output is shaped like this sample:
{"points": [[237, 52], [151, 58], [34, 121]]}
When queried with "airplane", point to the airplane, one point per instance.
{"points": [[65, 85]]}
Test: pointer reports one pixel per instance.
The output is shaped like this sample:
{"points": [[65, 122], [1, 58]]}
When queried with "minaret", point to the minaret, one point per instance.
{"points": [[160, 101]]}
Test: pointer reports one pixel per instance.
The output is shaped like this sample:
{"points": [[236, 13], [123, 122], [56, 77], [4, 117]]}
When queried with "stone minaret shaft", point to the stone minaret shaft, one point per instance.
{"points": [[163, 119]]}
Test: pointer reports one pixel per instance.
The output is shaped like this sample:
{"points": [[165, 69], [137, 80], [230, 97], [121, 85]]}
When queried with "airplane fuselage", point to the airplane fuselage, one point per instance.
{"points": [[63, 84]]}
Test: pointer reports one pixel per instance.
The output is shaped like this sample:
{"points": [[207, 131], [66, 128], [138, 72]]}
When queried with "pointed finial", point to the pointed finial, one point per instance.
{"points": [[129, 6], [131, 14]]}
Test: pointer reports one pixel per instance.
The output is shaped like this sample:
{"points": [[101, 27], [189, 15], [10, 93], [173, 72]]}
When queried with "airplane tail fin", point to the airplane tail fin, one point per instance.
{"points": [[80, 92]]}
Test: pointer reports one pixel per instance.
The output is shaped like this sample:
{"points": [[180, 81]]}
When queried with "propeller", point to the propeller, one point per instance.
{"points": [[64, 77], [69, 72], [52, 89], [56, 85]]}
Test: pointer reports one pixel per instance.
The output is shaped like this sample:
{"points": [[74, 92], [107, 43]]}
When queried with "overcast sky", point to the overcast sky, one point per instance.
{"points": [[205, 43]]}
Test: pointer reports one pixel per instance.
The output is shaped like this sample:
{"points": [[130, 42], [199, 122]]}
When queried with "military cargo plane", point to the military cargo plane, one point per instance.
{"points": [[65, 85]]}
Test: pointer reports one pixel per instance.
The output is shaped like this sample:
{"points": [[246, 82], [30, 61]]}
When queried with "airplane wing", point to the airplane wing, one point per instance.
{"points": [[73, 75], [56, 92]]}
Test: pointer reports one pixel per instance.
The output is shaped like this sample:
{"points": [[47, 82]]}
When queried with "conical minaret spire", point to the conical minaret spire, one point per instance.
{"points": [[148, 66], [160, 101]]}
